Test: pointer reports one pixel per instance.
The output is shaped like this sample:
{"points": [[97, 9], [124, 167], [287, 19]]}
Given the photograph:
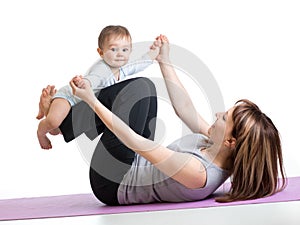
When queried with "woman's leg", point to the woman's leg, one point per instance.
{"points": [[136, 105], [82, 119], [134, 101], [111, 159]]}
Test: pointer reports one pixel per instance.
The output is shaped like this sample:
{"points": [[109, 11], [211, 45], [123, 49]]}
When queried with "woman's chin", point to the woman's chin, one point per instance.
{"points": [[209, 131]]}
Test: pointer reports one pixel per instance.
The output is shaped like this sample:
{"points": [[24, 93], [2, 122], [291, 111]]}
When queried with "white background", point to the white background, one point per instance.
{"points": [[251, 47]]}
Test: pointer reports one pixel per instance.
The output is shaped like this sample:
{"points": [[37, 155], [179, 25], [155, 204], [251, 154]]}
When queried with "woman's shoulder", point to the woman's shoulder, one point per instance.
{"points": [[193, 140]]}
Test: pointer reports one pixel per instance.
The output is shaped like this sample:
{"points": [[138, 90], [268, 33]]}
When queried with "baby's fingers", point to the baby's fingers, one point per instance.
{"points": [[77, 78], [73, 86]]}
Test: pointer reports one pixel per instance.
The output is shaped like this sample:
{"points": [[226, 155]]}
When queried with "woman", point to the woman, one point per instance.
{"points": [[128, 167]]}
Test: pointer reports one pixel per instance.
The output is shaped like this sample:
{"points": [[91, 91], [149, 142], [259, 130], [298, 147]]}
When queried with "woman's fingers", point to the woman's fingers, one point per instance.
{"points": [[81, 84]]}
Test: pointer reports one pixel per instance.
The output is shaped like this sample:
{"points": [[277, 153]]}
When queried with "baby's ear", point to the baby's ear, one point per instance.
{"points": [[100, 52]]}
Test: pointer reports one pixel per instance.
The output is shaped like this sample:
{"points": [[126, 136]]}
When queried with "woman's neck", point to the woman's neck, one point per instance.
{"points": [[220, 156]]}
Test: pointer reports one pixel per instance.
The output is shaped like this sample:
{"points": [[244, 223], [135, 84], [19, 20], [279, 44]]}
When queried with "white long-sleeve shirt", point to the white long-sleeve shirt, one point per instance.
{"points": [[101, 76]]}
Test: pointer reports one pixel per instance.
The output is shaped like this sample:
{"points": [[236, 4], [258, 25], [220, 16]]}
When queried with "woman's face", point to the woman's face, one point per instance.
{"points": [[221, 130]]}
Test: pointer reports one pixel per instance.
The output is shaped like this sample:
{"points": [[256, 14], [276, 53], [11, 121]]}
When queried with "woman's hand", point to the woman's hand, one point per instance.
{"points": [[82, 89], [163, 44]]}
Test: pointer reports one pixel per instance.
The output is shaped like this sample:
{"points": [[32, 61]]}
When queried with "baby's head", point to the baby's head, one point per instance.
{"points": [[114, 45], [113, 32]]}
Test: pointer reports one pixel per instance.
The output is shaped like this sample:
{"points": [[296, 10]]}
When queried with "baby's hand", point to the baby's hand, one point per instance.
{"points": [[154, 49], [156, 44], [82, 89], [77, 79]]}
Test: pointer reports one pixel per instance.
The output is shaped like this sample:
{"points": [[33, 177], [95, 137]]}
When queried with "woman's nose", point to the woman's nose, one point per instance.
{"points": [[218, 115]]}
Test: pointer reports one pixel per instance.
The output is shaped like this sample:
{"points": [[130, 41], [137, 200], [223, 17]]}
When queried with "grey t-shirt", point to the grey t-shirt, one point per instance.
{"points": [[144, 183]]}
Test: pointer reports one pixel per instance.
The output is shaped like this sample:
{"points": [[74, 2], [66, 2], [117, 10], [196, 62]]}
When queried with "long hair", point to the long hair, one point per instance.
{"points": [[257, 157]]}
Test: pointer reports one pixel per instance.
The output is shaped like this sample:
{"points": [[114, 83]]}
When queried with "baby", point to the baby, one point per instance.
{"points": [[114, 48]]}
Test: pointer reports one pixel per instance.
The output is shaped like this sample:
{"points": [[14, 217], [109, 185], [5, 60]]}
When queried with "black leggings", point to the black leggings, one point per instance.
{"points": [[135, 102]]}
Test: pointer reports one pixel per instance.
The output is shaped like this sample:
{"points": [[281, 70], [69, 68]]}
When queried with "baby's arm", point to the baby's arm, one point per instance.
{"points": [[143, 62], [98, 75]]}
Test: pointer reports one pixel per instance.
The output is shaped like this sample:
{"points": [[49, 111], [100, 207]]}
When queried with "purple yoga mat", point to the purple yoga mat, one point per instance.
{"points": [[87, 204]]}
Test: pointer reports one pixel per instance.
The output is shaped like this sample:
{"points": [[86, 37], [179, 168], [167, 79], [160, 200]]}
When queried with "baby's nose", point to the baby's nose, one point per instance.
{"points": [[119, 52]]}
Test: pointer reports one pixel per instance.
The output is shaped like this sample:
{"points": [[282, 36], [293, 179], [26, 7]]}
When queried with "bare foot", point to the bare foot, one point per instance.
{"points": [[44, 141], [45, 100]]}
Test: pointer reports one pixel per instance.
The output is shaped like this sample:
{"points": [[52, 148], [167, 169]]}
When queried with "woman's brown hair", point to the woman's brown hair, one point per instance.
{"points": [[257, 157]]}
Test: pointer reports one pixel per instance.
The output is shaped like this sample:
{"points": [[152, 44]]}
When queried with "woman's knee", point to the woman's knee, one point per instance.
{"points": [[136, 90], [144, 84]]}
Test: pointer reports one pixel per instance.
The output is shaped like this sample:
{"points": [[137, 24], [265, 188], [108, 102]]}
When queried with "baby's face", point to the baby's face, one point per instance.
{"points": [[116, 51]]}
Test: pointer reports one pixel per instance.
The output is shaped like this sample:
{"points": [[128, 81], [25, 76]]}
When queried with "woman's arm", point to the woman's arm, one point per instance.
{"points": [[182, 167], [179, 97]]}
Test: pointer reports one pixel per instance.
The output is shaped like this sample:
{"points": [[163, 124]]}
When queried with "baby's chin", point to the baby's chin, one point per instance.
{"points": [[119, 63]]}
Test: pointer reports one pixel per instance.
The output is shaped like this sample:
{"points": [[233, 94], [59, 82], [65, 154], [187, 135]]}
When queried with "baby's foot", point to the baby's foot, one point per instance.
{"points": [[45, 100], [40, 113], [44, 141]]}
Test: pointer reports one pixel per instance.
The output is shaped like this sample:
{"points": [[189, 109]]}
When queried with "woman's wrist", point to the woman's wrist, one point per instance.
{"points": [[92, 102], [165, 66]]}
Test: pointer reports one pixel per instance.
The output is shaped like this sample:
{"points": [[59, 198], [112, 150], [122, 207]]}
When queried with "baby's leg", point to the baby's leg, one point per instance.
{"points": [[57, 112], [45, 100]]}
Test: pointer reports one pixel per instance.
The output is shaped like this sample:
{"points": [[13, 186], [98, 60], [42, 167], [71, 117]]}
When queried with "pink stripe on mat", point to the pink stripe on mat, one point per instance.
{"points": [[86, 204]]}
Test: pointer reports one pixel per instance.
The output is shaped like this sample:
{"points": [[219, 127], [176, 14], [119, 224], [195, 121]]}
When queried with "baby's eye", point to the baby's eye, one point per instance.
{"points": [[125, 49], [113, 49]]}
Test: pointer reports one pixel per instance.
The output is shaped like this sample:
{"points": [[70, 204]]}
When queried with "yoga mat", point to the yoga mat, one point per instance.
{"points": [[87, 204]]}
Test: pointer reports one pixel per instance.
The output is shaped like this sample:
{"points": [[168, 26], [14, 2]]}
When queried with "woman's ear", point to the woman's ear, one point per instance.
{"points": [[100, 52], [230, 143]]}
